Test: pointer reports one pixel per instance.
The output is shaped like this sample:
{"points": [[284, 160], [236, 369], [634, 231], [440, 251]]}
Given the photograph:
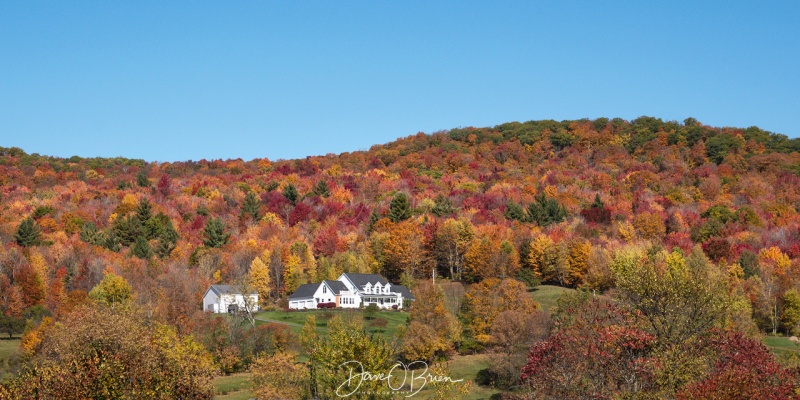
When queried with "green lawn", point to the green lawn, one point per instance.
{"points": [[9, 349], [296, 319], [461, 368], [237, 386], [233, 387], [547, 295], [781, 346]]}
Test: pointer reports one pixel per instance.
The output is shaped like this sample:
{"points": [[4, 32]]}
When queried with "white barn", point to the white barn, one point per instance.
{"points": [[350, 291], [224, 299]]}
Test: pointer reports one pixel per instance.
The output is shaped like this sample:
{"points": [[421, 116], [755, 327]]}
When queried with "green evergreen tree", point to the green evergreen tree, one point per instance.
{"points": [[399, 208], [597, 202], [141, 248], [272, 185], [290, 192], [28, 233], [144, 212], [321, 189], [127, 229], [442, 206], [373, 218], [111, 241], [251, 206], [141, 179], [167, 240], [215, 235], [545, 211], [90, 234], [514, 212]]}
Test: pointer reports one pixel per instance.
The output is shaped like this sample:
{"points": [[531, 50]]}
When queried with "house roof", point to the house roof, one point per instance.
{"points": [[305, 291], [362, 279], [336, 286], [404, 291], [225, 289]]}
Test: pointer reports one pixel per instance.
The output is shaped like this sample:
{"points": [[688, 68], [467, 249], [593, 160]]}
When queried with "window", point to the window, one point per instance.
{"points": [[324, 289]]}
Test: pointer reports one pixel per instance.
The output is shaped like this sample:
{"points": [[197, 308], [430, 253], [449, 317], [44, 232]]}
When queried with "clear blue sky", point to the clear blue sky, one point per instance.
{"points": [[169, 81]]}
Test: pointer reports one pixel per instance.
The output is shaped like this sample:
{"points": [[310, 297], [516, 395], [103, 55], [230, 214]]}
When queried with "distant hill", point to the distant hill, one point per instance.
{"points": [[477, 199]]}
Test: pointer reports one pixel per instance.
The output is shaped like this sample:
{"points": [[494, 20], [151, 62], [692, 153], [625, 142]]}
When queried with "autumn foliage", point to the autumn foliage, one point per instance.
{"points": [[600, 204]]}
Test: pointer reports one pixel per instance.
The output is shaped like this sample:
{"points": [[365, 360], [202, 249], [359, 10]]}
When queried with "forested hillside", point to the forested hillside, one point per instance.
{"points": [[610, 206]]}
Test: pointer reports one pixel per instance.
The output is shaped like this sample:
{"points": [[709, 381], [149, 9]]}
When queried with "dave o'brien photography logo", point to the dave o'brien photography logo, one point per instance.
{"points": [[416, 374]]}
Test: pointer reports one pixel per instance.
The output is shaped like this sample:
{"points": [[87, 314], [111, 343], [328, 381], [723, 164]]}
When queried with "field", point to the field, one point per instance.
{"points": [[233, 387], [547, 296], [782, 347], [9, 348], [296, 319], [237, 386]]}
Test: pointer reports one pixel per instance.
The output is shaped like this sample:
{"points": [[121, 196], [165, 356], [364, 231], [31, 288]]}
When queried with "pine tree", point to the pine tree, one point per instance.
{"points": [[400, 208], [373, 218], [251, 206], [597, 202], [215, 235], [321, 189], [514, 212], [141, 248], [127, 229], [28, 233], [545, 211], [290, 192], [141, 179], [90, 234], [442, 206], [144, 212], [111, 241], [167, 240]]}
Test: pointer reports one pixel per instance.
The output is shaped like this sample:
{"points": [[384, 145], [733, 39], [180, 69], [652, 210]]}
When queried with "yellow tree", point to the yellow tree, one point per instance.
{"points": [[451, 244], [404, 251], [579, 252], [112, 290], [485, 300], [259, 275], [432, 329], [280, 376]]}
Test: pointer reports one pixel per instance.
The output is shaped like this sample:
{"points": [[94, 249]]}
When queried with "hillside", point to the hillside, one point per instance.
{"points": [[543, 201]]}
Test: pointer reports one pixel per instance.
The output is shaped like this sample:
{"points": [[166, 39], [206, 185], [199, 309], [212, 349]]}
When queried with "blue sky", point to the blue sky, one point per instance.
{"points": [[169, 81]]}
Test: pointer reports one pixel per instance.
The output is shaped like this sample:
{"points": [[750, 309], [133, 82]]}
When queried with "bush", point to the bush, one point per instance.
{"points": [[370, 311], [331, 304], [469, 345], [486, 377]]}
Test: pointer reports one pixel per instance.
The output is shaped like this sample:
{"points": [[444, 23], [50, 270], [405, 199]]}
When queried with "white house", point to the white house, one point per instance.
{"points": [[350, 291], [225, 299]]}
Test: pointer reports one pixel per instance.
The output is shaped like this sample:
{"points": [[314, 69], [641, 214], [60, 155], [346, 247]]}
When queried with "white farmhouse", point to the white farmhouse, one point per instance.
{"points": [[224, 299], [350, 291]]}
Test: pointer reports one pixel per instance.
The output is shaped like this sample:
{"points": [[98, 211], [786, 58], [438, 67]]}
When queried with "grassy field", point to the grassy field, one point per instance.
{"points": [[296, 319], [781, 346], [9, 348], [233, 387], [547, 295], [461, 368], [237, 386]]}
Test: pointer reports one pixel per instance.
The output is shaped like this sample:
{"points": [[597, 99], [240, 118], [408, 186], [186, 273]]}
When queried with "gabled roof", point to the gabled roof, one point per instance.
{"points": [[404, 291], [221, 289], [336, 286], [362, 279], [224, 289], [305, 291]]}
